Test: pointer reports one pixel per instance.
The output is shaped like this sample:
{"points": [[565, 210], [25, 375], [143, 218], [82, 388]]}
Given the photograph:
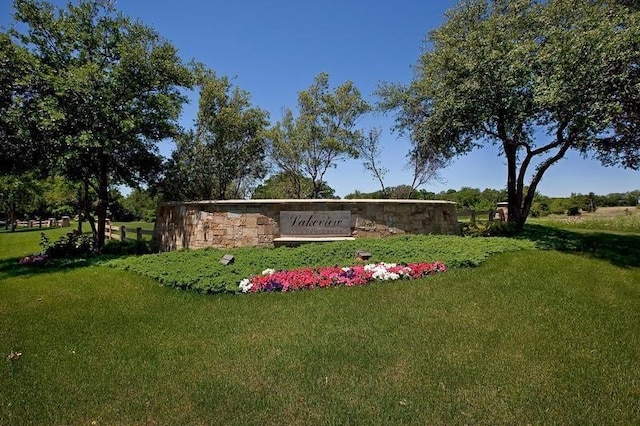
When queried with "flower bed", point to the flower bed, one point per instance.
{"points": [[36, 259], [333, 276]]}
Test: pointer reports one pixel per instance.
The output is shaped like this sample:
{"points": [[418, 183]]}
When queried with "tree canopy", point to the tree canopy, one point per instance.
{"points": [[279, 186], [99, 91], [536, 78], [225, 154], [323, 133]]}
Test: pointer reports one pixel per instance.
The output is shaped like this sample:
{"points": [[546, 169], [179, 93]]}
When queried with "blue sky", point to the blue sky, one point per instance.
{"points": [[274, 49]]}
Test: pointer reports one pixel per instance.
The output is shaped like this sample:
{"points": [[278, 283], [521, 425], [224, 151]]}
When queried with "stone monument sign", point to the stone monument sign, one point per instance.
{"points": [[315, 223]]}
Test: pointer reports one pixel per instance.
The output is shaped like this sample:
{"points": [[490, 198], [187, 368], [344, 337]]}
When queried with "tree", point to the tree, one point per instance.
{"points": [[225, 154], [400, 192], [105, 90], [142, 204], [60, 197], [536, 78], [19, 194], [279, 186], [371, 153], [424, 167], [322, 134]]}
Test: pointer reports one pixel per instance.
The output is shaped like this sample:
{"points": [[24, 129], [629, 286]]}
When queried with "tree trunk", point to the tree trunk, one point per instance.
{"points": [[297, 185], [82, 204], [513, 214], [12, 215], [103, 198], [316, 190], [85, 211]]}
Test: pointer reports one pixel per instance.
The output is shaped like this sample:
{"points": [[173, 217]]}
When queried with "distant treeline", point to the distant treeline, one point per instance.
{"points": [[474, 198], [56, 197]]}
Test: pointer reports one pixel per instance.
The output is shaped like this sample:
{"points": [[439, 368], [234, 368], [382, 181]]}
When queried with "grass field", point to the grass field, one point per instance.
{"points": [[610, 219], [537, 336]]}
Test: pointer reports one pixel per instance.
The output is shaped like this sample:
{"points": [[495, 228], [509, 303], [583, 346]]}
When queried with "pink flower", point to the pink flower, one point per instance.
{"points": [[333, 276]]}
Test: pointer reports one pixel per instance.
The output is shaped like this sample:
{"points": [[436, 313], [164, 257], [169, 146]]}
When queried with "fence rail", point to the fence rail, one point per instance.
{"points": [[41, 223], [490, 215], [121, 233]]}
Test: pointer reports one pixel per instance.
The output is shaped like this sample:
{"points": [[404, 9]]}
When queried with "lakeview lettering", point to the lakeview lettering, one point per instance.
{"points": [[310, 220], [320, 223]]}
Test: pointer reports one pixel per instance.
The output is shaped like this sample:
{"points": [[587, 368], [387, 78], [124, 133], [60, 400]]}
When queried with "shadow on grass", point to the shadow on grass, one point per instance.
{"points": [[30, 230], [11, 267], [619, 249]]}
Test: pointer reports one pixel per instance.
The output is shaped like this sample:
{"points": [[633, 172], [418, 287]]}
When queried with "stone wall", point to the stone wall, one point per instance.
{"points": [[254, 223]]}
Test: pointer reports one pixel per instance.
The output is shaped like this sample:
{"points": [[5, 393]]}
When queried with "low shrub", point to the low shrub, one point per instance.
{"points": [[202, 271], [573, 211], [72, 245], [489, 229]]}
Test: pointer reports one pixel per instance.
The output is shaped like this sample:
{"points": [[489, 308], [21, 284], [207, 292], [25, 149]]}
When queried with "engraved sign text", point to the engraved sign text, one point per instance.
{"points": [[320, 223]]}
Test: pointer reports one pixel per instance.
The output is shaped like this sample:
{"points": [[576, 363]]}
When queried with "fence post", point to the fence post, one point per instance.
{"points": [[108, 231], [473, 218], [123, 233]]}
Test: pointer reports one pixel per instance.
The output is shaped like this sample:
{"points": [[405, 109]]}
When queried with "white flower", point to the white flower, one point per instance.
{"points": [[346, 269], [379, 266], [268, 271], [245, 285], [370, 267], [384, 275], [380, 271]]}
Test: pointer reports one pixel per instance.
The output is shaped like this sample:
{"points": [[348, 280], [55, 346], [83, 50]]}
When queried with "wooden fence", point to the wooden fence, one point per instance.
{"points": [[490, 215], [43, 223], [122, 233]]}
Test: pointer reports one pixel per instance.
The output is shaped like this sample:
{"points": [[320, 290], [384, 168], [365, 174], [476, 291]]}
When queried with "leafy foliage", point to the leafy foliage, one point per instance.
{"points": [[200, 270], [535, 78], [371, 157], [323, 133], [72, 245], [223, 157], [101, 91], [488, 229], [286, 185], [138, 205], [573, 211], [19, 195]]}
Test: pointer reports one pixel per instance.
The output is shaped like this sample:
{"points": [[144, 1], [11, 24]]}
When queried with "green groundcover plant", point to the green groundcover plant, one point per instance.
{"points": [[202, 271]]}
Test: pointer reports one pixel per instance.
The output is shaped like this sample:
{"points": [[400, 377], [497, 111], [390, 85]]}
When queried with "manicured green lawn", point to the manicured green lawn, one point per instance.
{"points": [[26, 241], [534, 336], [147, 226]]}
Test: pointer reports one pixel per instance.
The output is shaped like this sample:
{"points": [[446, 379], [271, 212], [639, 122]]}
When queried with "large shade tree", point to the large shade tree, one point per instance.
{"points": [[323, 133], [100, 92], [535, 78], [224, 155]]}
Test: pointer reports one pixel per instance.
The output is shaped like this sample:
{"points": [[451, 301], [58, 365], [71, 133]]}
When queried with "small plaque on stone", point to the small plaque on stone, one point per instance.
{"points": [[227, 259]]}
